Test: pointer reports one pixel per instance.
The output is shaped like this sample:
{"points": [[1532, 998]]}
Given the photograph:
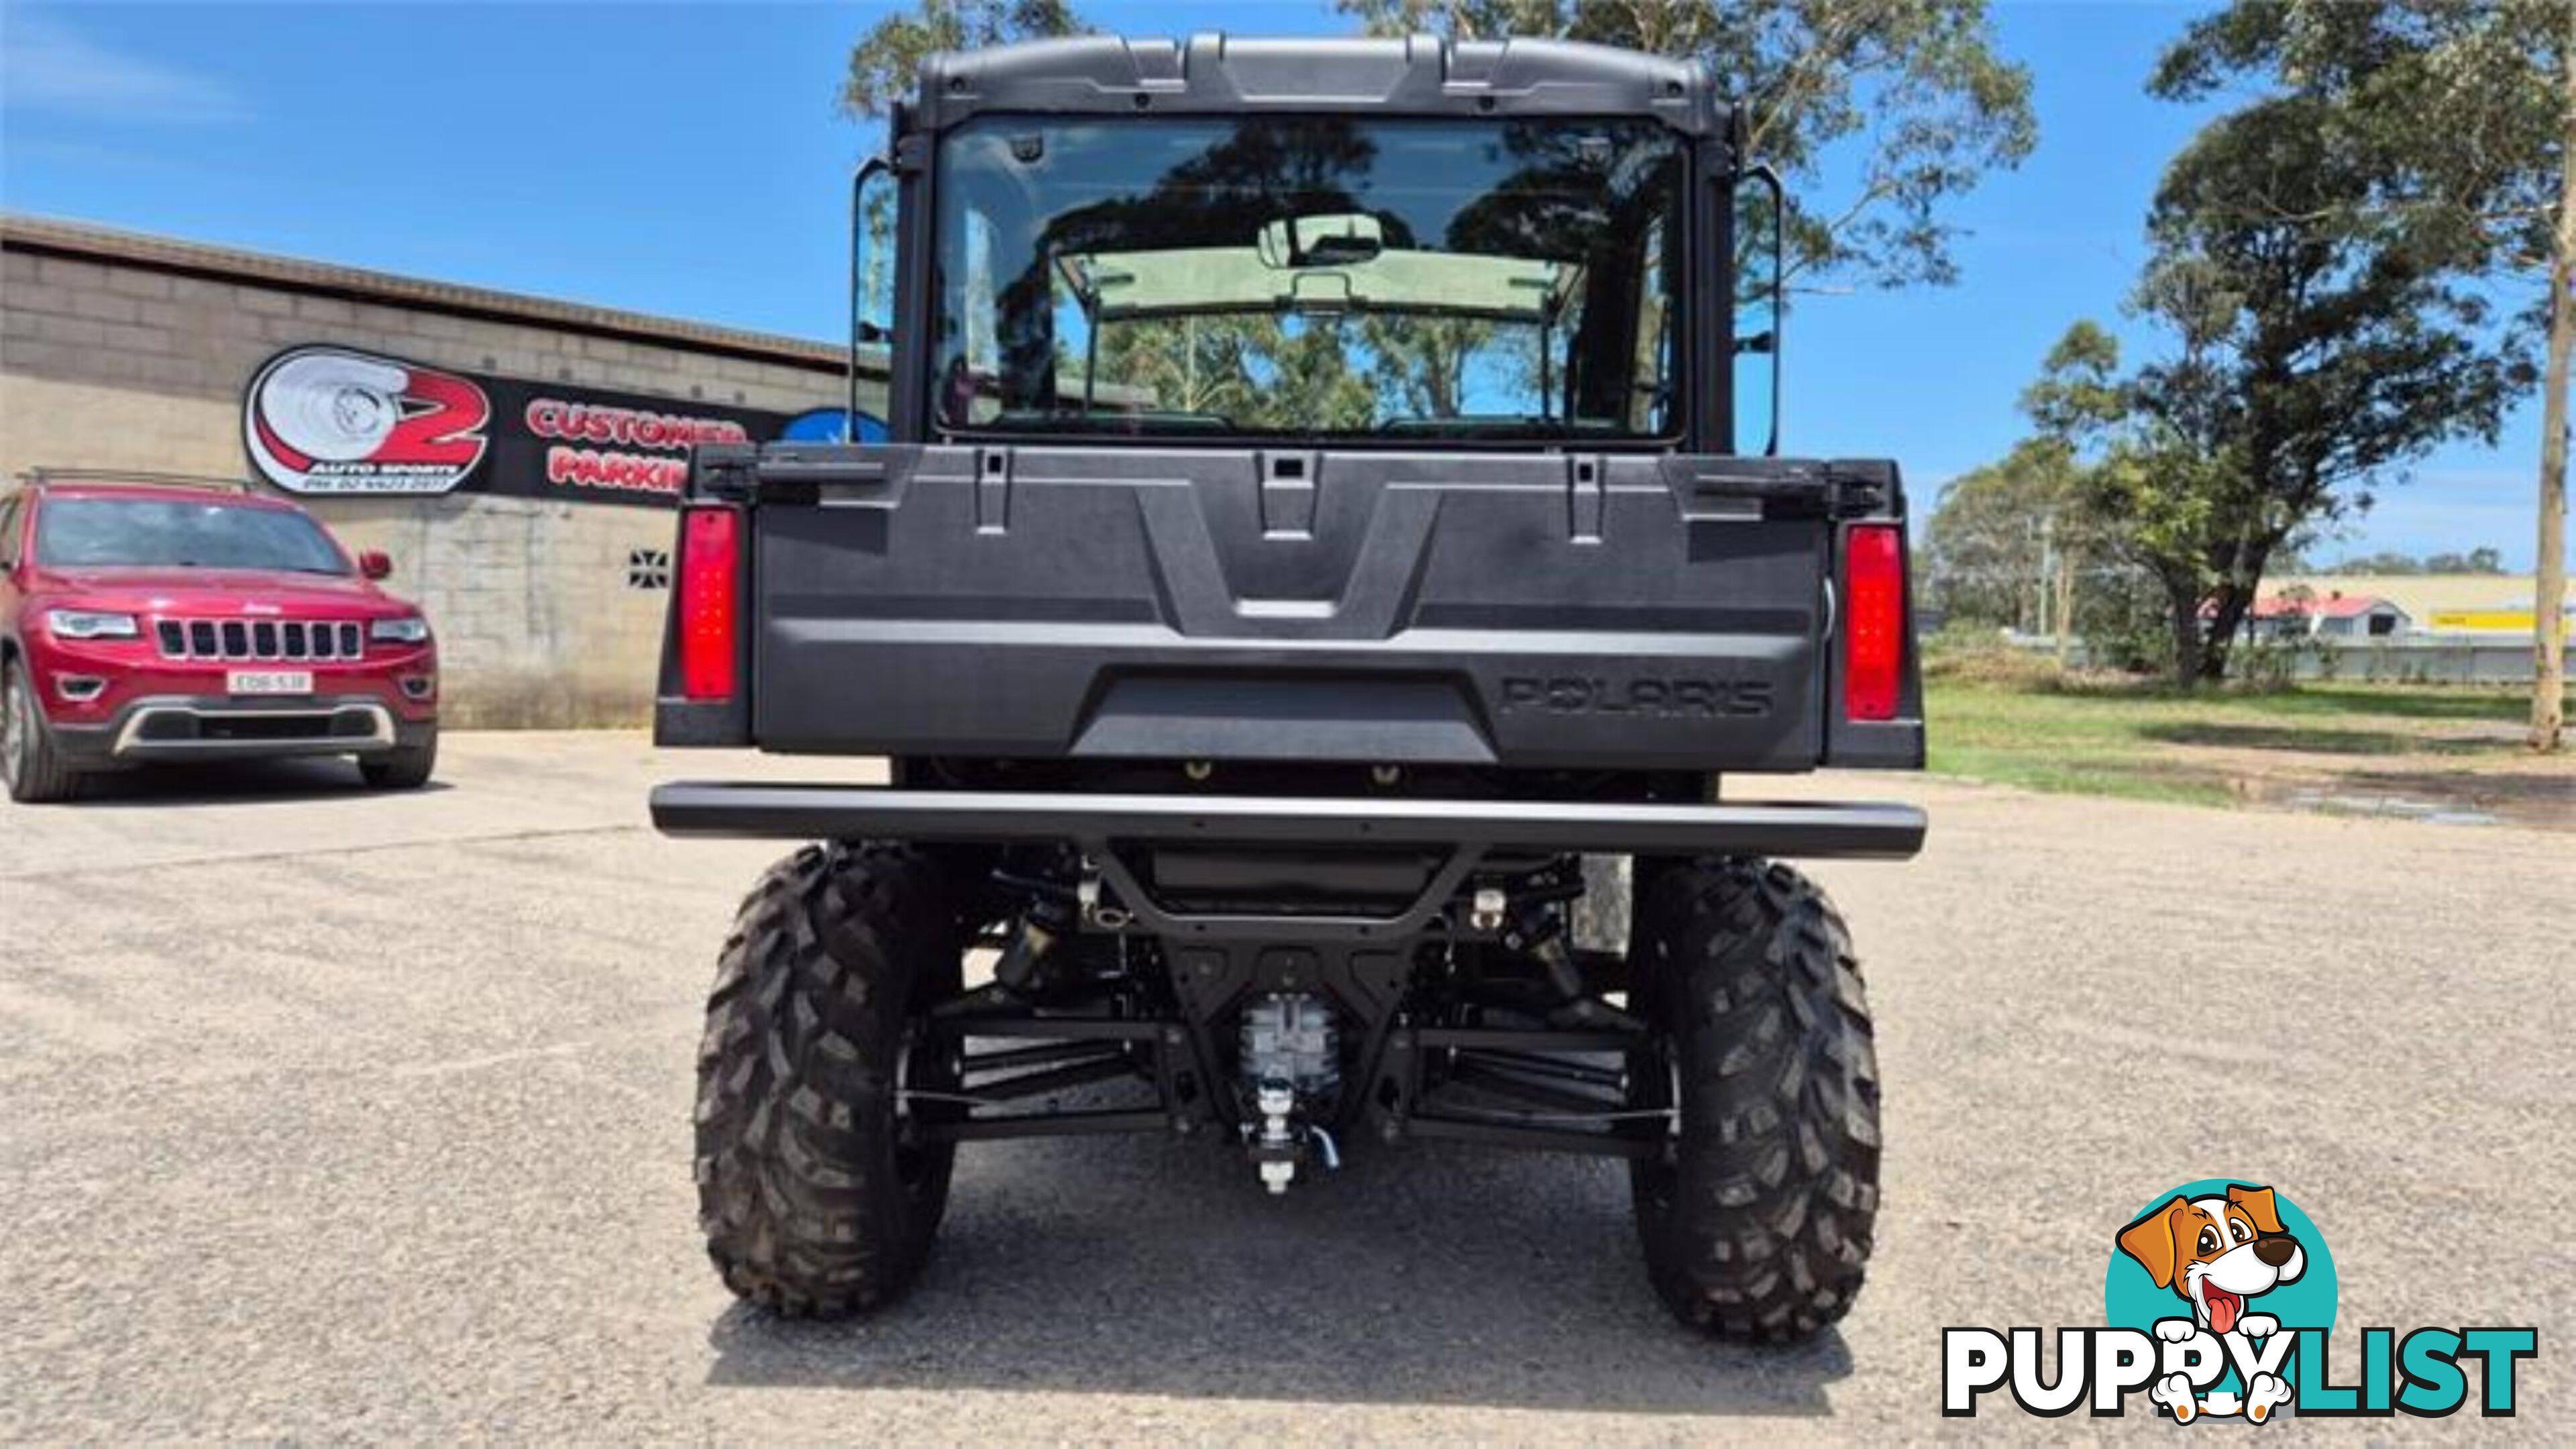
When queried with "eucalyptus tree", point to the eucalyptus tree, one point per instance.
{"points": [[2462, 115]]}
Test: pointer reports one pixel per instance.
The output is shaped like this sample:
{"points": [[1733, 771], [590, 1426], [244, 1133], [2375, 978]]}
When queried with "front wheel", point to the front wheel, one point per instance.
{"points": [[815, 1197], [30, 765], [406, 768], [1757, 1216]]}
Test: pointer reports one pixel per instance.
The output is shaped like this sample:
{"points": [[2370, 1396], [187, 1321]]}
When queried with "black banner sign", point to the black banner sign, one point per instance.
{"points": [[327, 420]]}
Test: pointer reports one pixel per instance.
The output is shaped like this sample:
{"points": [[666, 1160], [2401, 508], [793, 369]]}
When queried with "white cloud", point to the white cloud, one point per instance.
{"points": [[46, 65]]}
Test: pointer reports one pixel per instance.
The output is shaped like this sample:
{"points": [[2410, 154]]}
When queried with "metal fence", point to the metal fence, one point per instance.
{"points": [[2415, 659], [2390, 659]]}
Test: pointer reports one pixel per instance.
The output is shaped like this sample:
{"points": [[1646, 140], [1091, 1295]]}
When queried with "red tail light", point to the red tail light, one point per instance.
{"points": [[1873, 620], [710, 587]]}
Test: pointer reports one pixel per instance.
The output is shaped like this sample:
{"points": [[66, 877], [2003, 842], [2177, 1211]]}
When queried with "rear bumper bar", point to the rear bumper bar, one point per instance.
{"points": [[850, 812]]}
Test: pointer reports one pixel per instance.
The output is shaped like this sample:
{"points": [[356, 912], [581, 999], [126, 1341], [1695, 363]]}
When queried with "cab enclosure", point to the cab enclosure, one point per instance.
{"points": [[1330, 541]]}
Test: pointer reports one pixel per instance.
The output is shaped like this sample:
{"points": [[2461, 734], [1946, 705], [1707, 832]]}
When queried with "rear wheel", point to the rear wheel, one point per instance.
{"points": [[29, 763], [406, 768], [1757, 1217], [814, 1197]]}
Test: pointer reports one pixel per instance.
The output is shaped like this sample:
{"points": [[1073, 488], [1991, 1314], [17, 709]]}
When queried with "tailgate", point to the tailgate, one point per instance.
{"points": [[1550, 610]]}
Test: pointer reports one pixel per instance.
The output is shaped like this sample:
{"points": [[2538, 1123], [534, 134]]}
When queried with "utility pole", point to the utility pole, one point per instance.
{"points": [[2549, 601], [2037, 533], [2065, 605]]}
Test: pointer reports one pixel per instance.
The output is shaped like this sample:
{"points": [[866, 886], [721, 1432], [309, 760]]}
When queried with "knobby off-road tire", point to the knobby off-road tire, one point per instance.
{"points": [[811, 1201], [1757, 1219], [32, 767]]}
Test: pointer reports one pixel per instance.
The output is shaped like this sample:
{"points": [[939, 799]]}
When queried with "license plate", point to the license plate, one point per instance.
{"points": [[269, 681]]}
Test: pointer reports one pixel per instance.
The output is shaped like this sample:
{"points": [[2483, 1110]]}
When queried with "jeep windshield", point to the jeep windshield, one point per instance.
{"points": [[151, 533], [1310, 276]]}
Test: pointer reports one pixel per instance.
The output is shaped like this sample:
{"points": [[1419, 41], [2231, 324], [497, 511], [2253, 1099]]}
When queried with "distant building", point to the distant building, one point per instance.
{"points": [[2476, 605], [519, 457], [2502, 616], [2297, 615]]}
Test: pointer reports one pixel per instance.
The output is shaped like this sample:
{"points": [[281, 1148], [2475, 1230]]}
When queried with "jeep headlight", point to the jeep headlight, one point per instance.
{"points": [[411, 630], [89, 624]]}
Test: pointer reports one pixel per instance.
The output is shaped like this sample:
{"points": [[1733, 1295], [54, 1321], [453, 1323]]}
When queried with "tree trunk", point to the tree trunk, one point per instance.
{"points": [[2549, 599], [2226, 616], [2184, 605]]}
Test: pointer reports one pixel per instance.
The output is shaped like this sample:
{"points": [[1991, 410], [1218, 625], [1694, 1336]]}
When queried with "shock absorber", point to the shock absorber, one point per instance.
{"points": [[1047, 921], [1538, 932]]}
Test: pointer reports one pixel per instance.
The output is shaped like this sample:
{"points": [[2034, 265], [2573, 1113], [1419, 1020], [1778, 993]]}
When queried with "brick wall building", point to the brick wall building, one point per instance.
{"points": [[127, 352]]}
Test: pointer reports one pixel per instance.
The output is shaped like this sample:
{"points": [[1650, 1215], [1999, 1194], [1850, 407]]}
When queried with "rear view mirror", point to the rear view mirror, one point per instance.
{"points": [[872, 224], [375, 563], [874, 207], [1344, 240]]}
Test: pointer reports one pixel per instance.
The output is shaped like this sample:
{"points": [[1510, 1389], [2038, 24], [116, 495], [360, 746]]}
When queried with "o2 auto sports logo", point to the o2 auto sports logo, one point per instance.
{"points": [[2220, 1304], [333, 420]]}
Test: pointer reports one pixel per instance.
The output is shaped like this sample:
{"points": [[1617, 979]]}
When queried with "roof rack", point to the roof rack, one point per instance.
{"points": [[39, 476]]}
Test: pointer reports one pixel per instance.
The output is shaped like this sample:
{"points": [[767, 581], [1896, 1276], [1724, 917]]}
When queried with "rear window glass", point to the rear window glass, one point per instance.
{"points": [[1307, 275]]}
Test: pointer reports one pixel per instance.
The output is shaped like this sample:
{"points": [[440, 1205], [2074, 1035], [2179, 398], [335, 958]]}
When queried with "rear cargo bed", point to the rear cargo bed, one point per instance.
{"points": [[1514, 609]]}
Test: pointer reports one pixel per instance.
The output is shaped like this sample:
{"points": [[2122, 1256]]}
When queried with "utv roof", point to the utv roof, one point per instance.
{"points": [[1216, 74]]}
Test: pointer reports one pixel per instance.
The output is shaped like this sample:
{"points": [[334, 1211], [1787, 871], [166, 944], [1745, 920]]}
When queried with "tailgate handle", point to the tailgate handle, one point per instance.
{"points": [[814, 478], [750, 473], [1795, 488], [1841, 491], [803, 480]]}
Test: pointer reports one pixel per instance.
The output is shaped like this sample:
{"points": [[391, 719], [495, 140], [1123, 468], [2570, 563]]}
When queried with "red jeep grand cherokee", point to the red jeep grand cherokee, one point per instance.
{"points": [[156, 621]]}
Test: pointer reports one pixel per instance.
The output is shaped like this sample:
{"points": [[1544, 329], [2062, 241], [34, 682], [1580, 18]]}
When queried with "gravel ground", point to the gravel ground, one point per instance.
{"points": [[347, 1117]]}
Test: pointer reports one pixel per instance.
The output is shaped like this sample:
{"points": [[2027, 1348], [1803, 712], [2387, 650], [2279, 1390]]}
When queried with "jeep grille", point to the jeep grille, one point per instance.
{"points": [[259, 639]]}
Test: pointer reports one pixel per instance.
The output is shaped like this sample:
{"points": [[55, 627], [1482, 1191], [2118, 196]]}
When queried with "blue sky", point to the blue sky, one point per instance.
{"points": [[688, 160]]}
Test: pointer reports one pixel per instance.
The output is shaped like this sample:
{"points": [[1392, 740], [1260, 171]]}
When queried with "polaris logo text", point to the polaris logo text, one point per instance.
{"points": [[1660, 698]]}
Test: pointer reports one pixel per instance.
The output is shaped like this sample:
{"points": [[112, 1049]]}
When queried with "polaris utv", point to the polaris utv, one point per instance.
{"points": [[1330, 550]]}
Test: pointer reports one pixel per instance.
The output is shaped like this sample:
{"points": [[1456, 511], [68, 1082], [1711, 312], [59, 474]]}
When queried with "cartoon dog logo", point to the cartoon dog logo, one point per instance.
{"points": [[2218, 1254]]}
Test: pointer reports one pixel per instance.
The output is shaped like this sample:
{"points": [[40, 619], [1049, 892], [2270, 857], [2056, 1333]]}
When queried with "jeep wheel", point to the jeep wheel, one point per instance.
{"points": [[407, 768], [29, 764], [813, 1199], [1757, 1217]]}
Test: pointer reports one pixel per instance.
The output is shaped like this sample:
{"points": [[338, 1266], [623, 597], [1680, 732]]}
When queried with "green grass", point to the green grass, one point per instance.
{"points": [[2086, 773], [2395, 701], [2144, 742]]}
